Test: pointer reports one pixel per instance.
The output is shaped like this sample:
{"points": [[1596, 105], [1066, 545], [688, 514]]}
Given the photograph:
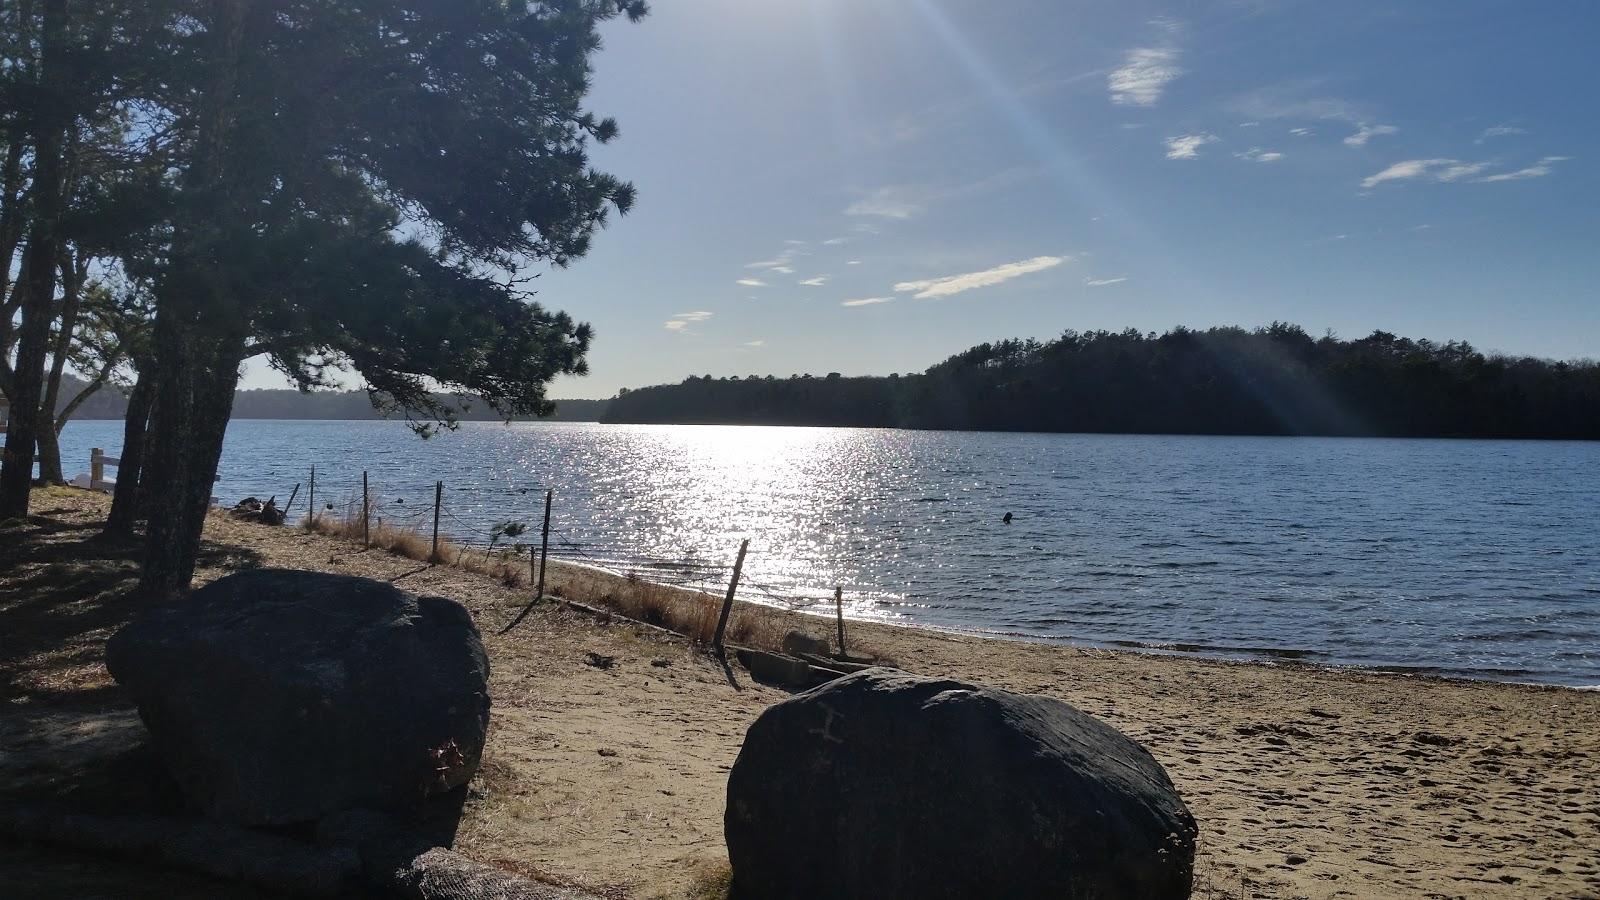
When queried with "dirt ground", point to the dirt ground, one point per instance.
{"points": [[1307, 782]]}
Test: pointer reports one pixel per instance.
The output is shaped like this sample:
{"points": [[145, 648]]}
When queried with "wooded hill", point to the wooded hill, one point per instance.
{"points": [[1276, 380]]}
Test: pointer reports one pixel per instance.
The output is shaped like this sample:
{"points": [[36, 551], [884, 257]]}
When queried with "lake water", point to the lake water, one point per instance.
{"points": [[1477, 558]]}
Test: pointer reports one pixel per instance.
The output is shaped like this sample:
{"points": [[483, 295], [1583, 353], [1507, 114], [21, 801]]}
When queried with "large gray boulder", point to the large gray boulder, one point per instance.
{"points": [[888, 785], [276, 696]]}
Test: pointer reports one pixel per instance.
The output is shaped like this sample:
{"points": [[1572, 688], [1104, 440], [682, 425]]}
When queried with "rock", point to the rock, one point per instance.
{"points": [[251, 509], [271, 514], [888, 785], [276, 697], [798, 643], [775, 668]]}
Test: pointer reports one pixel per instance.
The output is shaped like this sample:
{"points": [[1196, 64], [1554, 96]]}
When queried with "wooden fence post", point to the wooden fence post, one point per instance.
{"points": [[438, 500], [97, 466], [311, 498], [838, 605], [544, 546], [366, 514], [727, 603]]}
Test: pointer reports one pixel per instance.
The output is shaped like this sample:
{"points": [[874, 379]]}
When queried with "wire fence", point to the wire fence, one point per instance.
{"points": [[432, 517]]}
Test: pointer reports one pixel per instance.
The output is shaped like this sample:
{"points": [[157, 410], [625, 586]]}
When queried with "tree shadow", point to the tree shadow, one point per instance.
{"points": [[64, 589], [727, 670]]}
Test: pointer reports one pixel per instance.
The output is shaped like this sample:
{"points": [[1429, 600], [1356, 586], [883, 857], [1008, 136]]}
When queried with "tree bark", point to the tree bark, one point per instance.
{"points": [[48, 447], [39, 260], [199, 334], [11, 221], [125, 499], [196, 384], [49, 428]]}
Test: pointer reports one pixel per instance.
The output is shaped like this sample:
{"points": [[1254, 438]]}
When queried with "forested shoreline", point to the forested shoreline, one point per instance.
{"points": [[1276, 380]]}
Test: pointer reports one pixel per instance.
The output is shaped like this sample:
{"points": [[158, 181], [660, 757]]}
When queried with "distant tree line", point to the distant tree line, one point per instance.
{"points": [[293, 404], [1276, 380]]}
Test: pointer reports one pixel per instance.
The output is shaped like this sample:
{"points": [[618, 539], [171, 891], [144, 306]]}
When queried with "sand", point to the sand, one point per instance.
{"points": [[1306, 781]]}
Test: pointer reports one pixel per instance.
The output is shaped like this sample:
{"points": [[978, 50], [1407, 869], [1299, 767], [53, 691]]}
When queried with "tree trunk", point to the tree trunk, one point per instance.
{"points": [[196, 377], [11, 221], [199, 333], [125, 499], [49, 447], [49, 427], [16, 470], [39, 261]]}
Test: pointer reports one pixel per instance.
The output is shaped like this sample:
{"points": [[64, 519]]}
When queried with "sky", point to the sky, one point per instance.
{"points": [[869, 186]]}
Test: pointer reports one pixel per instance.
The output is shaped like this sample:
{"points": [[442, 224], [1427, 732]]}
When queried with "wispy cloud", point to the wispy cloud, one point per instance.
{"points": [[1143, 76], [1188, 146], [905, 201], [948, 285], [852, 262], [834, 242], [1365, 133], [1447, 170], [755, 343], [1102, 282], [1537, 170], [895, 202], [1499, 131], [867, 301], [682, 321], [1295, 100], [1431, 169], [1256, 154], [1301, 132], [780, 263], [751, 282], [818, 281]]}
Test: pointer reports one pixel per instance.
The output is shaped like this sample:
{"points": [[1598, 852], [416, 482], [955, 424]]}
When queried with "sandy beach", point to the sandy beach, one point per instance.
{"points": [[1306, 782]]}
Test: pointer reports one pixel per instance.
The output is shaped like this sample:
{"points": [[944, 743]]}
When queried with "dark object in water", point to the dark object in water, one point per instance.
{"points": [[1007, 519]]}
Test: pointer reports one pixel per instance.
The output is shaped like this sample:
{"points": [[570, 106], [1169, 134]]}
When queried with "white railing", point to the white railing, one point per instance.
{"points": [[96, 479]]}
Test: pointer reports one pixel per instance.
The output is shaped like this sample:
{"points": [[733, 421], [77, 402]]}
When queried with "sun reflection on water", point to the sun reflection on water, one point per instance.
{"points": [[1475, 556]]}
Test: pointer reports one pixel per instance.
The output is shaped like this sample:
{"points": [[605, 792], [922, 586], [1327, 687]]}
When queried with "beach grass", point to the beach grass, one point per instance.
{"points": [[687, 612]]}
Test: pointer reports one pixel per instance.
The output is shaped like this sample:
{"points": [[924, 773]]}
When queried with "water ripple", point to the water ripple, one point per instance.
{"points": [[1452, 557]]}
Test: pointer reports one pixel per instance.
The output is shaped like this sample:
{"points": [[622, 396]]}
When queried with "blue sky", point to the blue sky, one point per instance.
{"points": [[867, 186]]}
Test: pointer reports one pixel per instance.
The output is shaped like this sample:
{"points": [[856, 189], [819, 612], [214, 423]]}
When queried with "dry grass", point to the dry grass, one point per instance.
{"points": [[506, 566], [712, 881], [690, 613]]}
